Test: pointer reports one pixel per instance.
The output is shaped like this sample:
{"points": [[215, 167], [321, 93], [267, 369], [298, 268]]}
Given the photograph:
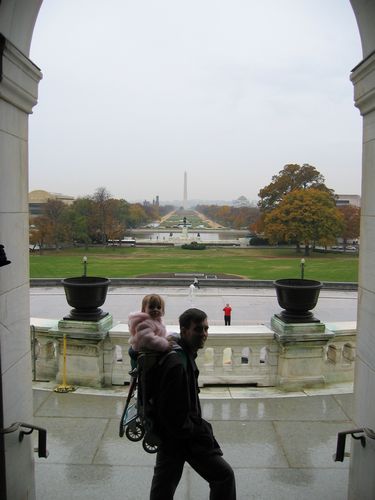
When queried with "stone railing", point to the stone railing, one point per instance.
{"points": [[251, 355]]}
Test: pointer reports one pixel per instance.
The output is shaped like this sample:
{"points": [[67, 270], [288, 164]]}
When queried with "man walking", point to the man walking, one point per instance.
{"points": [[227, 314], [191, 293], [185, 436]]}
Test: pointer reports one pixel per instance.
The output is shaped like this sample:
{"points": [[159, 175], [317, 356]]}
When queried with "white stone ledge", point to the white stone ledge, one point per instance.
{"points": [[236, 354], [43, 324], [213, 330]]}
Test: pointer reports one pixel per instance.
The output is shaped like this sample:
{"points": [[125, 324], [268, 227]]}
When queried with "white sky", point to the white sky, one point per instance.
{"points": [[135, 92]]}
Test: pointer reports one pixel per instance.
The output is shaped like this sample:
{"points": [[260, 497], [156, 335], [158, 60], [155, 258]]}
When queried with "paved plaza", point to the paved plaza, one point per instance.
{"points": [[250, 306], [280, 447], [279, 444]]}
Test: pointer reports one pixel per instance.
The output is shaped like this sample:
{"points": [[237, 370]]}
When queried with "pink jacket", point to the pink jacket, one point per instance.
{"points": [[147, 333]]}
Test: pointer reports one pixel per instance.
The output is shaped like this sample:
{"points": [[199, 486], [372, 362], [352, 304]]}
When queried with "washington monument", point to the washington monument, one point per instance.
{"points": [[184, 203]]}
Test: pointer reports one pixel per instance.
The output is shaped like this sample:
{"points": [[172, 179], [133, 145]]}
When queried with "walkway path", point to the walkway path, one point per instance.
{"points": [[280, 447], [209, 224], [250, 306]]}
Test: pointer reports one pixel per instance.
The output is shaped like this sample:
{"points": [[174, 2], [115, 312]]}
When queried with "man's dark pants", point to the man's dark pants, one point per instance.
{"points": [[227, 320], [213, 468]]}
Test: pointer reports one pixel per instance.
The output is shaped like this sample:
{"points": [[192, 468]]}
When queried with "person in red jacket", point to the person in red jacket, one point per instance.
{"points": [[227, 314]]}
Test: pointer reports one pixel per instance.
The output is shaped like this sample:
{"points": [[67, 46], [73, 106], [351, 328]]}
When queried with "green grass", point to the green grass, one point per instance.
{"points": [[250, 263], [176, 219]]}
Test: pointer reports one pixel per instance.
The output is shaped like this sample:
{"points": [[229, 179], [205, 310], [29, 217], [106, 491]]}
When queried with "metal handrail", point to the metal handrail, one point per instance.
{"points": [[369, 433], [341, 440], [42, 435]]}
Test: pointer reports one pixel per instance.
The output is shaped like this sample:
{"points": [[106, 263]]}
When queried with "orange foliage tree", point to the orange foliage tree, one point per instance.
{"points": [[304, 216], [351, 216]]}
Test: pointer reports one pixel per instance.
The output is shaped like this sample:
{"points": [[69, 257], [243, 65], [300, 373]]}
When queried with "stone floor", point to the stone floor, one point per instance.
{"points": [[280, 445]]}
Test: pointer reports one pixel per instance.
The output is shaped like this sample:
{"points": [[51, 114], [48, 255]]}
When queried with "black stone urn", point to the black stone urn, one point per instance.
{"points": [[297, 297], [86, 294]]}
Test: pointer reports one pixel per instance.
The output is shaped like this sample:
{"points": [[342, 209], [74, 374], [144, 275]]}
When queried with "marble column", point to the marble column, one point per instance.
{"points": [[362, 466], [19, 79]]}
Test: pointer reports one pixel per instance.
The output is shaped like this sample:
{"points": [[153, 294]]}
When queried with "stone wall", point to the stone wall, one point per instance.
{"points": [[250, 355]]}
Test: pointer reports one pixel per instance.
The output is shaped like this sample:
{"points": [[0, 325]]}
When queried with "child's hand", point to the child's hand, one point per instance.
{"points": [[172, 341]]}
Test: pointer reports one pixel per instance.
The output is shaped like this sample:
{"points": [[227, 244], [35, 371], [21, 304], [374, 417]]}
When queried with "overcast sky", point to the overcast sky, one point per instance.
{"points": [[135, 92]]}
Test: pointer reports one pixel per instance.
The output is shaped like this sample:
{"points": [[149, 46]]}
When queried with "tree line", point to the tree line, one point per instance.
{"points": [[90, 219], [232, 217], [296, 207]]}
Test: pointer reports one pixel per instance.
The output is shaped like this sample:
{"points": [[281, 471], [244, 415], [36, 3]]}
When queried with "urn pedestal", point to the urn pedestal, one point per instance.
{"points": [[86, 294], [297, 297], [89, 352], [301, 336]]}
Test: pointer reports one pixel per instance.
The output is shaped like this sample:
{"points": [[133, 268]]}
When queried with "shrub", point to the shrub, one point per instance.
{"points": [[194, 246], [257, 241]]}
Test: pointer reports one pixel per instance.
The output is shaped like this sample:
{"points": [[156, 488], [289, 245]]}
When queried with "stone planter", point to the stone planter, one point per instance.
{"points": [[86, 294], [297, 297]]}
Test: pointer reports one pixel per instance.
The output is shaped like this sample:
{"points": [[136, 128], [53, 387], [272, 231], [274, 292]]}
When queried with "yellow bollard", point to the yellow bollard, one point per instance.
{"points": [[64, 387]]}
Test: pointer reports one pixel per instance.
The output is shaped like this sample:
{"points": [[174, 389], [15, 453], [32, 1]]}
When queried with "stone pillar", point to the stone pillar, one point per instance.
{"points": [[362, 466], [44, 348], [86, 352], [301, 357], [46, 362], [19, 79]]}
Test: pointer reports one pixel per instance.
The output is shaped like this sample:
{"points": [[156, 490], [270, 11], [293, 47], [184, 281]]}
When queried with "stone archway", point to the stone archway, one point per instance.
{"points": [[19, 79]]}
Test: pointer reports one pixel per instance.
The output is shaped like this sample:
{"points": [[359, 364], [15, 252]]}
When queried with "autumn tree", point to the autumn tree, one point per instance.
{"points": [[351, 216], [89, 219], [118, 218], [53, 212], [291, 177], [85, 209], [41, 232], [137, 215], [151, 210], [101, 199], [304, 216], [80, 217]]}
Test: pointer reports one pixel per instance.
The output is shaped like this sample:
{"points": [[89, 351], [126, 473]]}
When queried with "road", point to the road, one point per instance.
{"points": [[250, 306]]}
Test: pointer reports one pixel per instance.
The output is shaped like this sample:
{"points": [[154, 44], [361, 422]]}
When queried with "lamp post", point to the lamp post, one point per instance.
{"points": [[302, 268], [84, 260]]}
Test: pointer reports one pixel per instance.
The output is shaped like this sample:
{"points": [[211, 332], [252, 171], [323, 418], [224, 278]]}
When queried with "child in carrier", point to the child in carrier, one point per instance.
{"points": [[148, 343], [147, 332]]}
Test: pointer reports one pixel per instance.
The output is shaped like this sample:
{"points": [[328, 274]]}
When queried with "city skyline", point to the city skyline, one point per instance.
{"points": [[212, 95]]}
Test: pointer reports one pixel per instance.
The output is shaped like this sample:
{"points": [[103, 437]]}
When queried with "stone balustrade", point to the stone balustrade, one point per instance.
{"points": [[251, 355]]}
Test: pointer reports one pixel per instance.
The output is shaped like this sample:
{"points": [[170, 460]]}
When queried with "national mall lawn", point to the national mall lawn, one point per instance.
{"points": [[250, 262]]}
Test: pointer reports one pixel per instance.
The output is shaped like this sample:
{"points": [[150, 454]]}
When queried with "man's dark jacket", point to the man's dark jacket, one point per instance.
{"points": [[177, 408]]}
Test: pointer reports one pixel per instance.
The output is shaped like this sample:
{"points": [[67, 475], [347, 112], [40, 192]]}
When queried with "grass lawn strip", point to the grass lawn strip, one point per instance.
{"points": [[247, 263]]}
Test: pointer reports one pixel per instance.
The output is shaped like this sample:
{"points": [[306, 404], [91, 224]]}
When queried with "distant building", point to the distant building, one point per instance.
{"points": [[348, 199], [242, 201], [39, 197]]}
